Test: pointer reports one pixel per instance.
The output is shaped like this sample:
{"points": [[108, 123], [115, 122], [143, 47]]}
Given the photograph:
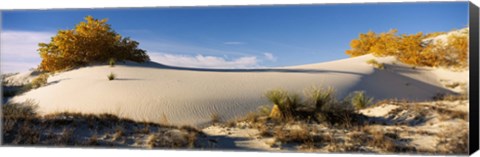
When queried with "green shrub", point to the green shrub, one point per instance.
{"points": [[277, 96], [338, 113], [111, 62], [320, 105], [40, 81], [285, 102], [360, 100], [111, 76], [320, 97]]}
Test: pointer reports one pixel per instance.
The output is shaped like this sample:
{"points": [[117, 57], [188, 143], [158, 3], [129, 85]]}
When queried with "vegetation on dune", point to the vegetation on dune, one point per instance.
{"points": [[412, 49], [40, 80], [323, 123], [360, 100], [279, 97], [21, 125], [111, 76], [319, 97], [376, 64], [320, 105], [91, 41], [112, 62]]}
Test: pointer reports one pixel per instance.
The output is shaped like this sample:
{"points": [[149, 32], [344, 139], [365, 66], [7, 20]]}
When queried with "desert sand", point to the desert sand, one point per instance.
{"points": [[188, 96]]}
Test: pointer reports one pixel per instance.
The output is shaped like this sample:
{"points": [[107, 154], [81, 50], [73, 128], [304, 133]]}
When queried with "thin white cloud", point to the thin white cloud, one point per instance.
{"points": [[270, 57], [163, 45], [233, 43], [19, 49], [201, 61]]}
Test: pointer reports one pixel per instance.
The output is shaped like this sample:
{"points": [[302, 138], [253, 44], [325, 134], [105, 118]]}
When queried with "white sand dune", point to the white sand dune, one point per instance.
{"points": [[19, 79], [188, 96]]}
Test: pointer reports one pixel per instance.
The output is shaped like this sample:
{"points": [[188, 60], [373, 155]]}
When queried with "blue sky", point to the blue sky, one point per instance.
{"points": [[232, 37]]}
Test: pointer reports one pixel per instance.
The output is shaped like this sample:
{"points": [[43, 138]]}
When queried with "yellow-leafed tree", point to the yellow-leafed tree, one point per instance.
{"points": [[363, 44], [387, 44], [91, 41], [412, 49]]}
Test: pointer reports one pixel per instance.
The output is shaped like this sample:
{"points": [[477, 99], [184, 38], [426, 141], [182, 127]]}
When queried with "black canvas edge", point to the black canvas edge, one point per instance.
{"points": [[473, 77]]}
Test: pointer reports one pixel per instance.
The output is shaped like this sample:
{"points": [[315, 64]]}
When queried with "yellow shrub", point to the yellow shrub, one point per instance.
{"points": [[411, 50], [92, 41]]}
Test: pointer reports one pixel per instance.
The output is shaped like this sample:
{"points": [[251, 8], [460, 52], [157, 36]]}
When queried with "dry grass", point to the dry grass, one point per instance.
{"points": [[93, 140], [251, 117], [151, 140], [231, 123], [119, 133], [446, 114], [291, 135], [23, 127], [215, 118], [381, 141], [450, 97], [453, 141], [453, 85], [302, 135], [343, 129]]}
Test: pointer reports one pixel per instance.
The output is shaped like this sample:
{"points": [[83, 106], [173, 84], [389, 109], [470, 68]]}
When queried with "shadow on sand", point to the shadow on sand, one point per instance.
{"points": [[383, 83], [161, 66]]}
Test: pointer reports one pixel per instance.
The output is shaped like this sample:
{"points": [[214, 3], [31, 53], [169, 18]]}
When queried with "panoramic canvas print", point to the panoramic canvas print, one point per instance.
{"points": [[331, 78]]}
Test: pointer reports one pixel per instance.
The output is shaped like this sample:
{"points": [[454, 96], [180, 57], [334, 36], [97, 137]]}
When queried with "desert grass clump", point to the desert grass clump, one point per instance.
{"points": [[277, 96], [376, 64], [295, 135], [453, 85], [111, 76], [320, 97], [360, 100], [93, 140], [339, 113], [264, 110], [382, 141], [39, 81], [13, 116], [27, 135], [282, 103], [151, 140], [450, 97], [111, 62], [119, 133], [453, 141], [25, 110], [302, 135], [215, 118]]}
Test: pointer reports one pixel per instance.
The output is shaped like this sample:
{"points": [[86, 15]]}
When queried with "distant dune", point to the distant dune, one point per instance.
{"points": [[189, 96]]}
